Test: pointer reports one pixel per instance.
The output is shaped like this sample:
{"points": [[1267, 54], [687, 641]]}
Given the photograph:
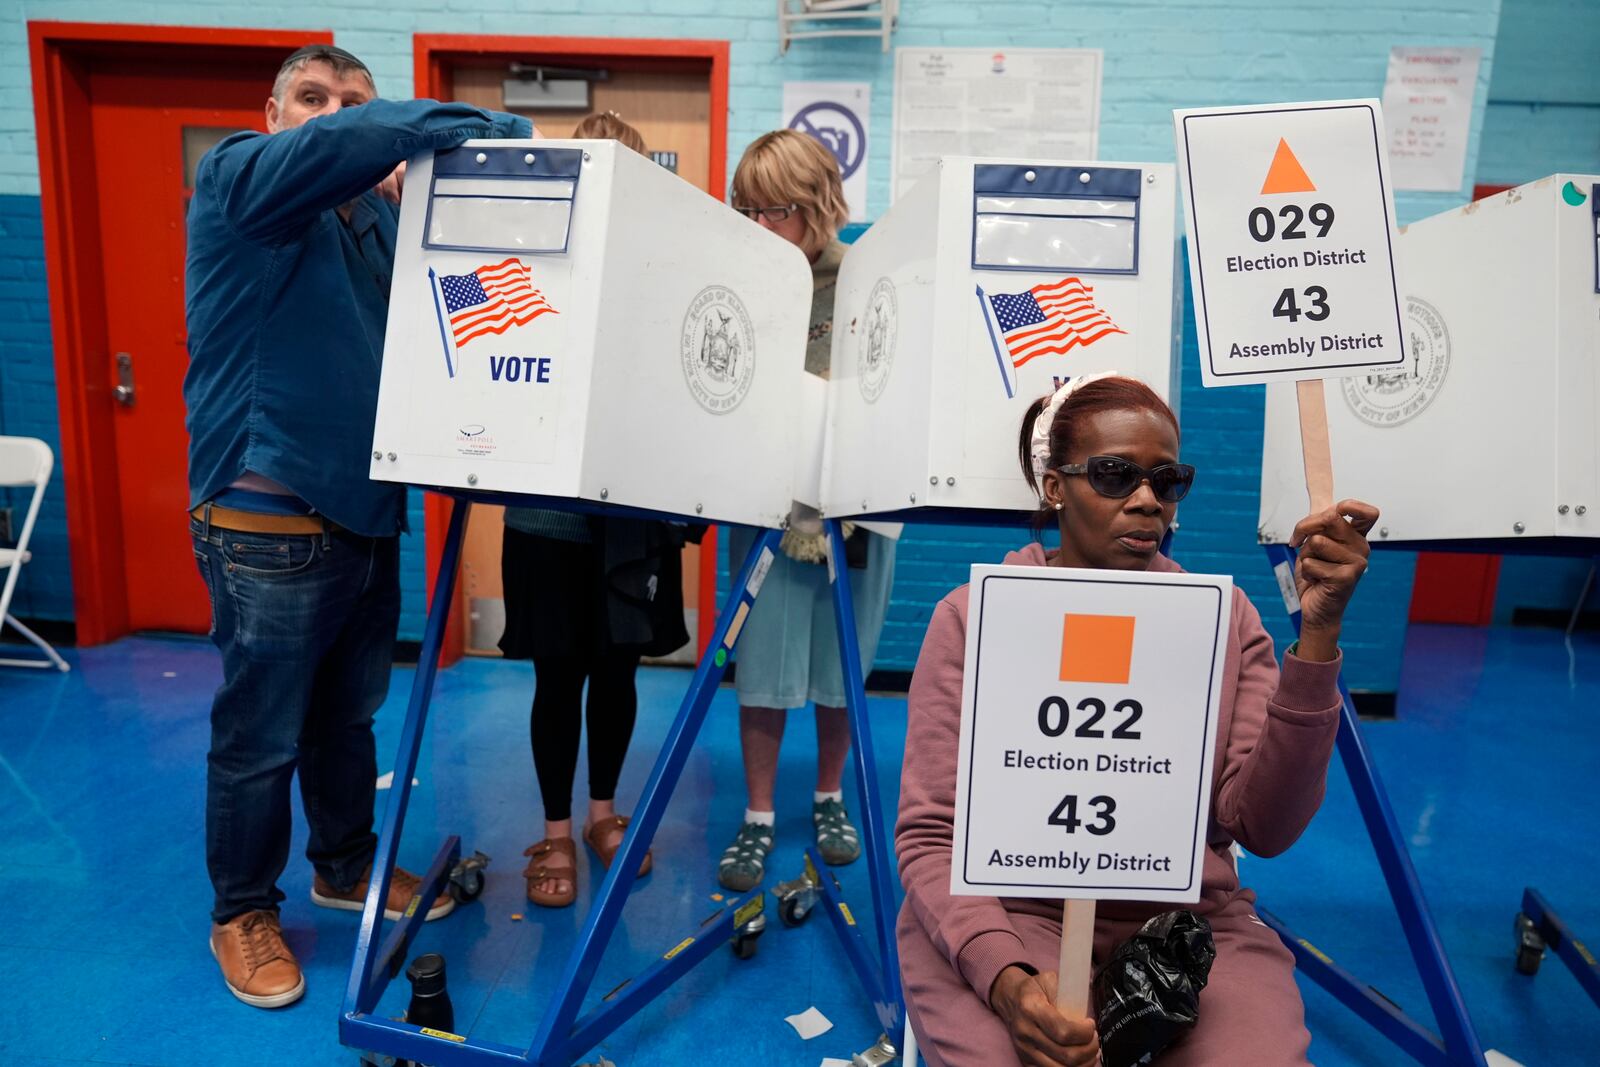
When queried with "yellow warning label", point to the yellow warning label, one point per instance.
{"points": [[444, 1034], [679, 947], [750, 909], [1315, 951], [1583, 950], [844, 909], [411, 908]]}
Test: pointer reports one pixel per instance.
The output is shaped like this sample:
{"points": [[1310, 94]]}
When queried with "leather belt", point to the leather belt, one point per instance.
{"points": [[259, 523]]}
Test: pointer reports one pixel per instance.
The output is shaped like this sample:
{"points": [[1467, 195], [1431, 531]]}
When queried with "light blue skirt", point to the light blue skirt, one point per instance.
{"points": [[788, 652]]}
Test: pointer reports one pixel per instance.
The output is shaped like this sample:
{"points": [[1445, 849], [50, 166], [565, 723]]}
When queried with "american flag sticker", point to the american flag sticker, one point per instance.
{"points": [[488, 301], [1052, 318]]}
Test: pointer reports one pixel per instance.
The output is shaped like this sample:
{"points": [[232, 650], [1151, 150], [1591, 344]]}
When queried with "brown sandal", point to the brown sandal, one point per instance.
{"points": [[594, 834], [538, 872]]}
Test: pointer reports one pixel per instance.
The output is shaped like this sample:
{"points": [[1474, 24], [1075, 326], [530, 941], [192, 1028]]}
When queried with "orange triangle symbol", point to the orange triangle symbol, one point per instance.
{"points": [[1286, 175]]}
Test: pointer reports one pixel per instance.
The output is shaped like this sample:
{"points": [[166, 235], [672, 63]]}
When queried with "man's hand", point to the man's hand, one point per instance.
{"points": [[1041, 1034], [389, 188], [1333, 557]]}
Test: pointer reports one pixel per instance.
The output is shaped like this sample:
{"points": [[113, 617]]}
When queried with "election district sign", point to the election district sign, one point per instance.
{"points": [[1088, 726], [1291, 241]]}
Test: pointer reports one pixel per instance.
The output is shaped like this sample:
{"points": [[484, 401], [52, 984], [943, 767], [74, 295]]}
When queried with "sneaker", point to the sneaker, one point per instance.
{"points": [[256, 964], [837, 840], [745, 861], [402, 889]]}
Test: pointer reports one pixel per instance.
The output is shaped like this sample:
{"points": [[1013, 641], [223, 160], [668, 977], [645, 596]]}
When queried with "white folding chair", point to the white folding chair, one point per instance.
{"points": [[24, 461]]}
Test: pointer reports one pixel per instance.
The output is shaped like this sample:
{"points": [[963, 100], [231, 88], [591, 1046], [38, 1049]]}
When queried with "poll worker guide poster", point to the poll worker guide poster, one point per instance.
{"points": [[1089, 722], [1006, 103]]}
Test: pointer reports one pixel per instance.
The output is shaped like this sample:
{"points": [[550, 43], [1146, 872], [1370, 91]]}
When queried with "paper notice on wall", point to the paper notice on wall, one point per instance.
{"points": [[1427, 108], [1036, 103], [835, 113]]}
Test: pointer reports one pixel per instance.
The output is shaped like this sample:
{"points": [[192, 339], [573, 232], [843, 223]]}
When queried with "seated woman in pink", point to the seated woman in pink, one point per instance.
{"points": [[1102, 453]]}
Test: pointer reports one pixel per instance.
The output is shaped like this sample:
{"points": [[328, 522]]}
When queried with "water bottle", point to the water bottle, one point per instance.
{"points": [[430, 1003]]}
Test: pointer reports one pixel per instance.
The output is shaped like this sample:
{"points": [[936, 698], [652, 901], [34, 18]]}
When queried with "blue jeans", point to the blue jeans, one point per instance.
{"points": [[306, 627]]}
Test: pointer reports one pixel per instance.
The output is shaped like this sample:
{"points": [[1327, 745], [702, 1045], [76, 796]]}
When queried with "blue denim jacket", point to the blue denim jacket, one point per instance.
{"points": [[287, 303]]}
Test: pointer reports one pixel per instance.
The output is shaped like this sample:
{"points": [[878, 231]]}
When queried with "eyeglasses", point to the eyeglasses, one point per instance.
{"points": [[771, 214], [1117, 478]]}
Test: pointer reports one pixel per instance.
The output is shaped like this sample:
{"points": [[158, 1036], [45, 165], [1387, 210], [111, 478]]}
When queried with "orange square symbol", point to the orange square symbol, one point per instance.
{"points": [[1097, 648]]}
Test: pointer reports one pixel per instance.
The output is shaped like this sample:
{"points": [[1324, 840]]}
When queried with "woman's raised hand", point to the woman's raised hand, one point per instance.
{"points": [[1333, 557]]}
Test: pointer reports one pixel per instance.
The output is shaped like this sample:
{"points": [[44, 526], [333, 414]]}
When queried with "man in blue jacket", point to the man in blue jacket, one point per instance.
{"points": [[291, 244]]}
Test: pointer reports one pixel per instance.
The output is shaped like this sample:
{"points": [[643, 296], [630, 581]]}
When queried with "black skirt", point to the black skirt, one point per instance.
{"points": [[621, 591], [555, 597]]}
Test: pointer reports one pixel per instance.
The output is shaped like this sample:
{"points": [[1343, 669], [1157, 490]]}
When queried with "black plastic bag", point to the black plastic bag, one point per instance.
{"points": [[1148, 994]]}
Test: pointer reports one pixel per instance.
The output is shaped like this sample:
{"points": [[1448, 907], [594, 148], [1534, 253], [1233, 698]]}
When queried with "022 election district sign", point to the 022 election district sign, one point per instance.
{"points": [[1088, 728], [1291, 241]]}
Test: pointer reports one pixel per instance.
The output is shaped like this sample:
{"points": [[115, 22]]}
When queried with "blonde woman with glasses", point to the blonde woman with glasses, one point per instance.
{"points": [[789, 649]]}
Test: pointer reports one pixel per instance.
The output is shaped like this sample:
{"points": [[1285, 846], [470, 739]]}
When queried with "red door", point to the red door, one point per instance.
{"points": [[151, 121]]}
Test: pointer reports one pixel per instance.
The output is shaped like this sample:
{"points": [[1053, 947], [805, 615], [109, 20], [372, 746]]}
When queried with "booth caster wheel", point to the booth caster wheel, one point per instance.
{"points": [[797, 897], [746, 938], [466, 878], [1530, 946], [880, 1055], [794, 911]]}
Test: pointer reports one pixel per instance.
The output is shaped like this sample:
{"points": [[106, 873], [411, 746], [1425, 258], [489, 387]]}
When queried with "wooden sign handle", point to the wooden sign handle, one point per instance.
{"points": [[1314, 443], [1077, 951]]}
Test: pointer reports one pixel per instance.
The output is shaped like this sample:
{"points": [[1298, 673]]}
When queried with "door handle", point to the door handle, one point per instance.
{"points": [[124, 390]]}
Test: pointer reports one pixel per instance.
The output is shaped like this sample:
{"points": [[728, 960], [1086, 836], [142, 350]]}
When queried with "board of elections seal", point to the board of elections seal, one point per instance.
{"points": [[1390, 398], [718, 349], [879, 332]]}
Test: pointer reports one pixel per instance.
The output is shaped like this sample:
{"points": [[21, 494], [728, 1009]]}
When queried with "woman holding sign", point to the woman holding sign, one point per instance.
{"points": [[1102, 453]]}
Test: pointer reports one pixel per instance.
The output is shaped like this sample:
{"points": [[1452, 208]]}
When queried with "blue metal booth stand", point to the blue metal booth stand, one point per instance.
{"points": [[564, 1035]]}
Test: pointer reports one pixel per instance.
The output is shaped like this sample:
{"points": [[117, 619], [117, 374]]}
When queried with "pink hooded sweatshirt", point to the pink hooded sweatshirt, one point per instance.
{"points": [[1274, 739]]}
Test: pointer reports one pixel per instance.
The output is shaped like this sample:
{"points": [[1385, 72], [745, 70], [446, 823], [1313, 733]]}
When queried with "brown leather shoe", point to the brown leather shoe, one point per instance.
{"points": [[402, 888], [595, 836], [258, 967]]}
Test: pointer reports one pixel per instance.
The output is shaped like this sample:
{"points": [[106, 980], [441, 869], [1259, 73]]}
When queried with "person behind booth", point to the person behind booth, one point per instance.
{"points": [[608, 126], [291, 245], [586, 597], [789, 649], [1102, 453]]}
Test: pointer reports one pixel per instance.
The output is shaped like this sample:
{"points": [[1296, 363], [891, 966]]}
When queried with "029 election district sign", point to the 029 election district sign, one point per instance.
{"points": [[1291, 240], [1088, 728]]}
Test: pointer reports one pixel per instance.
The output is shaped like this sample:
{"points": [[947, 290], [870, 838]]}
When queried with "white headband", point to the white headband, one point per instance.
{"points": [[1040, 445]]}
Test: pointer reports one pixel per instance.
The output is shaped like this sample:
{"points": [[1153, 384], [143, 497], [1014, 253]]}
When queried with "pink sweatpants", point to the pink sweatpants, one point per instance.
{"points": [[1250, 1010]]}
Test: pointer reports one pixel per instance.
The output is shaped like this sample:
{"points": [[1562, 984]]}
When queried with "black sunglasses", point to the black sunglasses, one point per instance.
{"points": [[1117, 478]]}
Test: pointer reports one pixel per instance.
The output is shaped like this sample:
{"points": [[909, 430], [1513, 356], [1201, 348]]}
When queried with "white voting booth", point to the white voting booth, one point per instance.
{"points": [[981, 289], [569, 319], [1490, 430]]}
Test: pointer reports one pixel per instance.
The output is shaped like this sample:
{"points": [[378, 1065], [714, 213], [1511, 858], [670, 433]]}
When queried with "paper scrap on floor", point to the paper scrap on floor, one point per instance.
{"points": [[386, 780], [809, 1023], [1499, 1059]]}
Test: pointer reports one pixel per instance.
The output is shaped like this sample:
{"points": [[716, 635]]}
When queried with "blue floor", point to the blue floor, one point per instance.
{"points": [[104, 917]]}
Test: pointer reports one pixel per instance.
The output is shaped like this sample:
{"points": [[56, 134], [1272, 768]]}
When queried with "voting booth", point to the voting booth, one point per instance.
{"points": [[569, 319], [1490, 429], [981, 289]]}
